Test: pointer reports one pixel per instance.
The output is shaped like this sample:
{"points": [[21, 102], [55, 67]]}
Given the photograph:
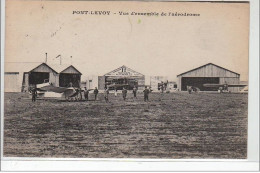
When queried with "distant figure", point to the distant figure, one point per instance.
{"points": [[146, 93], [34, 94], [80, 94], [86, 92], [96, 92], [70, 84], [115, 92], [106, 94], [150, 89], [220, 90], [161, 88], [134, 91], [124, 92], [189, 88], [225, 87]]}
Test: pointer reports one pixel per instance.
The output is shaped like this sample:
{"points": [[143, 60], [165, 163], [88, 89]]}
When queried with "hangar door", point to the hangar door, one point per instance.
{"points": [[198, 82], [69, 79], [38, 78]]}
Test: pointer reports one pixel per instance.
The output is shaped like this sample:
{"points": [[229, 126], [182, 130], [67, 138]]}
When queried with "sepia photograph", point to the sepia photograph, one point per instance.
{"points": [[121, 79]]}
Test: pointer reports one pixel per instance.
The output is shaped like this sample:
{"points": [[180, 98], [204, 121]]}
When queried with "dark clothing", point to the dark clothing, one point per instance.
{"points": [[134, 92], [189, 89], [106, 95], [124, 92], [86, 94], [34, 95], [96, 93], [146, 93]]}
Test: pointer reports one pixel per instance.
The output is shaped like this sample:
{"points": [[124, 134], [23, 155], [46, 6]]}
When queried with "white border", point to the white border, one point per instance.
{"points": [[61, 164]]}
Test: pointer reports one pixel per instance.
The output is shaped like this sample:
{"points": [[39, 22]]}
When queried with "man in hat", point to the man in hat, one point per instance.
{"points": [[86, 92], [146, 93], [96, 92], [124, 92]]}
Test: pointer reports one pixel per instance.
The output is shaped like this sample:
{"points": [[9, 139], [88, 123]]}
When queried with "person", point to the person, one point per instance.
{"points": [[80, 94], [86, 92], [96, 92], [161, 88], [124, 92], [189, 88], [115, 92], [150, 89], [134, 91], [146, 93], [70, 84], [106, 94], [34, 94]]}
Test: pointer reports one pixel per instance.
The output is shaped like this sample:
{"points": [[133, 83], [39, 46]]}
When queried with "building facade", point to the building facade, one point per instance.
{"points": [[208, 74], [21, 77]]}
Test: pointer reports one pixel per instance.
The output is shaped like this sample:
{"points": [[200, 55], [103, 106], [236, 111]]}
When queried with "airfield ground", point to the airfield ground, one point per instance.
{"points": [[175, 125]]}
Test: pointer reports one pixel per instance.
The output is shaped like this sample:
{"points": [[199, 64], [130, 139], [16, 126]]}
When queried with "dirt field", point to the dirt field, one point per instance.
{"points": [[175, 125]]}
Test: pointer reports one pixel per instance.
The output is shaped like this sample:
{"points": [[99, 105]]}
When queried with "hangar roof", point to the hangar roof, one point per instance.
{"points": [[28, 67], [205, 66], [123, 71]]}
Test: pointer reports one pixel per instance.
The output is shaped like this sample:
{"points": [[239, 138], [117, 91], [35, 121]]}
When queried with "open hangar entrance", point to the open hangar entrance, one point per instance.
{"points": [[38, 77], [66, 80], [70, 77], [208, 74], [122, 75], [198, 83]]}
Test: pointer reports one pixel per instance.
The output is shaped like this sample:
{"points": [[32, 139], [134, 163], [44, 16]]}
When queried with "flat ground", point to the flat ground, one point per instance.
{"points": [[174, 125]]}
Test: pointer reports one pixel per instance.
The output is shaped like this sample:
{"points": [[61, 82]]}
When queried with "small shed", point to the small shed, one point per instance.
{"points": [[208, 74]]}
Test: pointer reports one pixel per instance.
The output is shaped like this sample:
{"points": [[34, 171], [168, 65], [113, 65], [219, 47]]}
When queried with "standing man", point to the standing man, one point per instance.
{"points": [[146, 93], [115, 92], [124, 92], [34, 94], [96, 92], [106, 94], [134, 91], [86, 93], [189, 88], [161, 87]]}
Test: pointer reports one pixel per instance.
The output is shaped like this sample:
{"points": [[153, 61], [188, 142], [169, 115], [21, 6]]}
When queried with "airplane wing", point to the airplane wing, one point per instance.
{"points": [[222, 85], [51, 88], [117, 85], [236, 85], [213, 85]]}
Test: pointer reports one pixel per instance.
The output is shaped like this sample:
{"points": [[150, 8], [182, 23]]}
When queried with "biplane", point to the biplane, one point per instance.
{"points": [[115, 86], [224, 87], [67, 92]]}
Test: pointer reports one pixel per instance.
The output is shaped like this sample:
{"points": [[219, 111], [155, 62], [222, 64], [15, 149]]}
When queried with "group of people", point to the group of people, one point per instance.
{"points": [[146, 92]]}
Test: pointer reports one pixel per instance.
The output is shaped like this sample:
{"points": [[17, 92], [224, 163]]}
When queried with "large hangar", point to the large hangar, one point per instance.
{"points": [[122, 75], [208, 74]]}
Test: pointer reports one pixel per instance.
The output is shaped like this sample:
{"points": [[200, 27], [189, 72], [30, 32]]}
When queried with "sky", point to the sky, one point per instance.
{"points": [[151, 45]]}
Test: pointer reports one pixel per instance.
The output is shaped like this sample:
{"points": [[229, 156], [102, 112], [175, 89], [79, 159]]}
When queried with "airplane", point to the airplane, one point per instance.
{"points": [[67, 92], [224, 86], [114, 86]]}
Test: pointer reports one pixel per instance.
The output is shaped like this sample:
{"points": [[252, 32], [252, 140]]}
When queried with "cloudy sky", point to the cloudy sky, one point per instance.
{"points": [[152, 45]]}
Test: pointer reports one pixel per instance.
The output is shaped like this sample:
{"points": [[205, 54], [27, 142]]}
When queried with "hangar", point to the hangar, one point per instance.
{"points": [[19, 77], [68, 75], [122, 75], [208, 74]]}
